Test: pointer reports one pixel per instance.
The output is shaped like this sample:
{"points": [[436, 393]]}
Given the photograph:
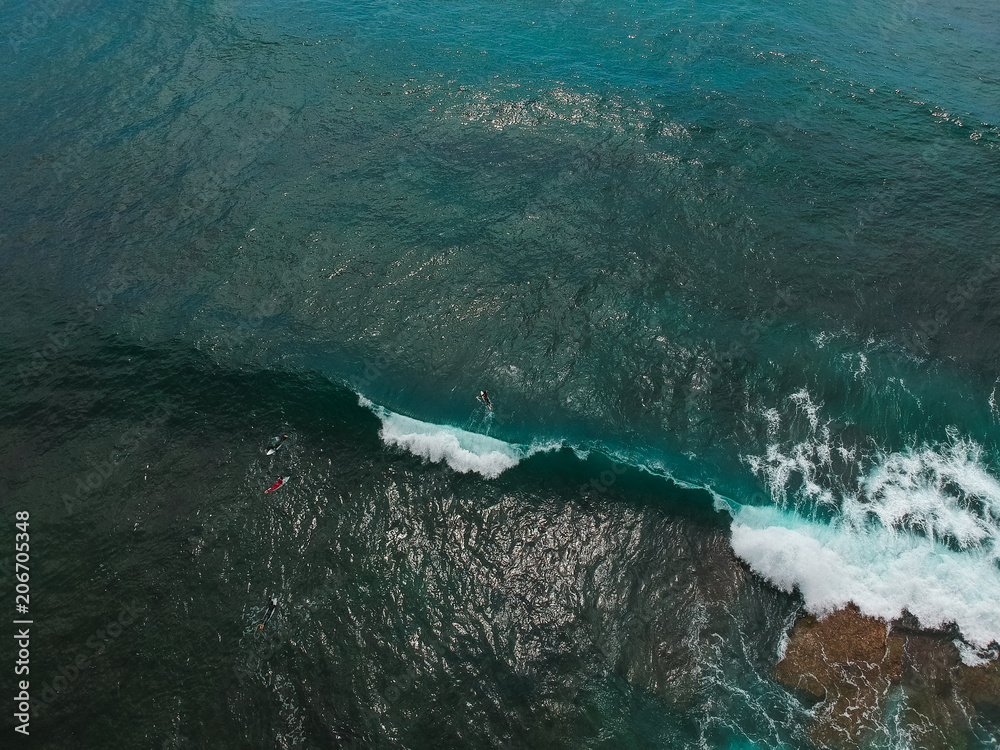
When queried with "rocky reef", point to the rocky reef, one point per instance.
{"points": [[868, 677]]}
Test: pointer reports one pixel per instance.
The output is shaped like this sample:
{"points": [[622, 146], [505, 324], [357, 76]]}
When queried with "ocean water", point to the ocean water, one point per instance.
{"points": [[729, 273]]}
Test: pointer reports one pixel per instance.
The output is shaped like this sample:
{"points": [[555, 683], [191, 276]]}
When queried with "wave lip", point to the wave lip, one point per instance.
{"points": [[462, 450]]}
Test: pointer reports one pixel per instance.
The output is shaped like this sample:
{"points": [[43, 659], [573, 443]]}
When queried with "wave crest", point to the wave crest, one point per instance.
{"points": [[460, 449]]}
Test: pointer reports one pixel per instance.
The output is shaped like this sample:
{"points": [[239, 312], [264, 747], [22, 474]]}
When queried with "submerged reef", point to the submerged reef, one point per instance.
{"points": [[869, 677]]}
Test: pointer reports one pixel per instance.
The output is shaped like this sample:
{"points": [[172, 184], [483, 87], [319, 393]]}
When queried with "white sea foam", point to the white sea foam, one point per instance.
{"points": [[462, 450], [915, 530], [882, 571], [974, 657], [804, 401], [943, 490]]}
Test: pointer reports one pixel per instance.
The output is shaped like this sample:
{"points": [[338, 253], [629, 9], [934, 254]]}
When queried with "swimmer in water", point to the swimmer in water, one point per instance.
{"points": [[273, 449], [485, 398], [271, 606]]}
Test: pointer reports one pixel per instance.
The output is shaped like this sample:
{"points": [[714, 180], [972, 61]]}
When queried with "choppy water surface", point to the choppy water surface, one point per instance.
{"points": [[727, 273]]}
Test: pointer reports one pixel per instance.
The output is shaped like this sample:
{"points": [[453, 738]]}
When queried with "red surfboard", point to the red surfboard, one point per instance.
{"points": [[276, 485]]}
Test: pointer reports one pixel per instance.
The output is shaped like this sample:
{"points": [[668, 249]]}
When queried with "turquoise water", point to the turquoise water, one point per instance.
{"points": [[727, 272]]}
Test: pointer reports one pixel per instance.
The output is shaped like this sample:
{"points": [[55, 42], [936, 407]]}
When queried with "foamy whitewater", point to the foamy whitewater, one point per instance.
{"points": [[915, 531], [460, 449], [882, 571]]}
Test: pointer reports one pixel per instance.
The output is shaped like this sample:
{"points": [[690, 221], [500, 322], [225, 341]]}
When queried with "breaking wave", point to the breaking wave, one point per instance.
{"points": [[916, 530], [460, 449]]}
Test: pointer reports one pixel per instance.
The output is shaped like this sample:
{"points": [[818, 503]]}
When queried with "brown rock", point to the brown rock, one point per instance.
{"points": [[849, 661], [937, 712], [981, 684]]}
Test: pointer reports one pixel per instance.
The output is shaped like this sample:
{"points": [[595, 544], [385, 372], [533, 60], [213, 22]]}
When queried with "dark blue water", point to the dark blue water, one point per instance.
{"points": [[728, 273]]}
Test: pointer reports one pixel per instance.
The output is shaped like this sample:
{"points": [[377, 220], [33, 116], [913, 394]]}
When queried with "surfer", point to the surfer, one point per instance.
{"points": [[271, 606], [273, 449], [276, 485], [485, 398]]}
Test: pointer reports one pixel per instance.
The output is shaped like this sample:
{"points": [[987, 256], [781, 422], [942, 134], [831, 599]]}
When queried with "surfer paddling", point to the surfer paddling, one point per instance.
{"points": [[271, 606], [276, 485], [274, 448], [485, 398]]}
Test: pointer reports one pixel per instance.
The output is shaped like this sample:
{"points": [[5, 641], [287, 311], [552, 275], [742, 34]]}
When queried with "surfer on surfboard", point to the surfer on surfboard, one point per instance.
{"points": [[271, 606], [485, 398], [274, 448], [277, 484]]}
